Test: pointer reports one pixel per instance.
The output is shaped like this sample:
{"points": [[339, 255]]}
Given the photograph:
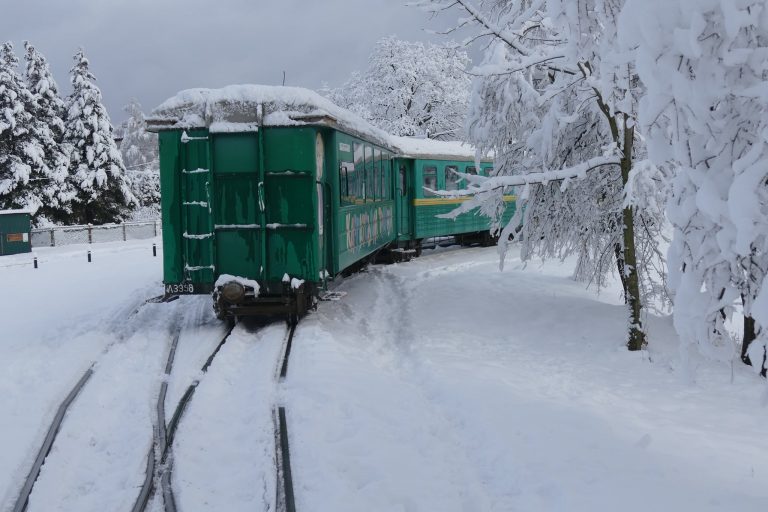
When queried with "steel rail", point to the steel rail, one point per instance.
{"points": [[286, 500], [23, 499], [160, 456], [284, 495]]}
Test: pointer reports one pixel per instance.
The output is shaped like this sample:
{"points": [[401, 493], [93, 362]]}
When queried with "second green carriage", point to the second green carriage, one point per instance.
{"points": [[270, 192]]}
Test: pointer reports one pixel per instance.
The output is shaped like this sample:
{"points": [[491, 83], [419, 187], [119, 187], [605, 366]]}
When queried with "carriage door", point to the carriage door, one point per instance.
{"points": [[404, 198], [323, 204]]}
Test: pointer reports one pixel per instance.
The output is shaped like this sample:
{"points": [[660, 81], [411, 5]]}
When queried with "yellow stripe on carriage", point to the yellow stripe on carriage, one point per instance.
{"points": [[433, 201]]}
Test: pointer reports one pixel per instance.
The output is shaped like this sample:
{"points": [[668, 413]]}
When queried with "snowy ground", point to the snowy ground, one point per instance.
{"points": [[440, 384]]}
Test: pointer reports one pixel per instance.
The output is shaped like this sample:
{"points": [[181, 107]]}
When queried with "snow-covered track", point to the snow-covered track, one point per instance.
{"points": [[23, 500], [160, 457], [286, 352], [285, 499]]}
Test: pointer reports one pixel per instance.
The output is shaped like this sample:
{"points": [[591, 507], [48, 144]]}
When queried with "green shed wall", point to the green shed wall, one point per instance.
{"points": [[13, 225]]}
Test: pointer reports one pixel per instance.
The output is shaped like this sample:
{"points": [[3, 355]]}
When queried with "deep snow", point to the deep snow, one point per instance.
{"points": [[439, 384]]}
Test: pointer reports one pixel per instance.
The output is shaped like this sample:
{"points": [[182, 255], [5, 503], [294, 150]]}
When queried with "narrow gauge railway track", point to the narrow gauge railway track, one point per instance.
{"points": [[22, 500], [284, 498], [160, 457], [159, 468]]}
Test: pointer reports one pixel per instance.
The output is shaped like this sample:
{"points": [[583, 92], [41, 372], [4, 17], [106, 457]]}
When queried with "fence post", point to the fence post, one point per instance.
{"points": [[155, 225], [124, 237], [90, 233], [53, 239]]}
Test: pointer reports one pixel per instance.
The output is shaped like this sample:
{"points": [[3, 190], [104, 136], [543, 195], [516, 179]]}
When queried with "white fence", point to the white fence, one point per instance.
{"points": [[68, 235]]}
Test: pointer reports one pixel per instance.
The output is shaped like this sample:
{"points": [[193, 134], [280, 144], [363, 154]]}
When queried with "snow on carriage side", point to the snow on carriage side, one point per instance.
{"points": [[245, 107]]}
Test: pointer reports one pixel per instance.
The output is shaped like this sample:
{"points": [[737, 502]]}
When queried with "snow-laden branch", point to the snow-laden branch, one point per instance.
{"points": [[479, 184], [521, 65]]}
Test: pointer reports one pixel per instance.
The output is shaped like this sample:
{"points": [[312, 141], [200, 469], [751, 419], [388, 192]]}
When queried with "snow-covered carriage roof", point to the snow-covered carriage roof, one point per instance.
{"points": [[16, 212], [427, 149], [235, 108]]}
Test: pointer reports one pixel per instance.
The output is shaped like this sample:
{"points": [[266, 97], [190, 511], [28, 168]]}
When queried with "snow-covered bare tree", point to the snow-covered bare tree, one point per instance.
{"points": [[140, 156], [97, 171], [56, 193], [553, 95], [23, 139], [138, 147], [705, 63], [410, 89]]}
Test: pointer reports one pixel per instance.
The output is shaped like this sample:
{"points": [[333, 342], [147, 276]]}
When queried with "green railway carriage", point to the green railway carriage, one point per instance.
{"points": [[438, 165], [270, 192]]}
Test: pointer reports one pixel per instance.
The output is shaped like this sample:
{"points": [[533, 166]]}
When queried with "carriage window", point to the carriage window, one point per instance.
{"points": [[347, 179], [377, 174], [488, 170], [385, 176], [343, 185], [451, 178], [402, 180], [356, 183], [430, 180], [369, 187], [471, 169]]}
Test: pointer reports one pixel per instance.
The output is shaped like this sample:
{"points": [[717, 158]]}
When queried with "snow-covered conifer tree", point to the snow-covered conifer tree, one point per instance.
{"points": [[56, 193], [705, 114], [410, 88], [553, 95], [22, 152], [97, 171]]}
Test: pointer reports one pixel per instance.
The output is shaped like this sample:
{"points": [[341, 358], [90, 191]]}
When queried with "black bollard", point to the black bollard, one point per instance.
{"points": [[89, 256], [34, 262], [154, 250]]}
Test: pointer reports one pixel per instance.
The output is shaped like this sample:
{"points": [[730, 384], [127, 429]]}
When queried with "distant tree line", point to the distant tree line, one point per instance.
{"points": [[59, 157]]}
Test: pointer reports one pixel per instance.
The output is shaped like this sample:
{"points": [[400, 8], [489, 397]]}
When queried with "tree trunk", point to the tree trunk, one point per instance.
{"points": [[636, 339], [620, 266], [749, 337]]}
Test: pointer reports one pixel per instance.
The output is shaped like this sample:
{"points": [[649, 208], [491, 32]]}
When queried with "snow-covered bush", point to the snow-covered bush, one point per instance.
{"points": [[410, 89]]}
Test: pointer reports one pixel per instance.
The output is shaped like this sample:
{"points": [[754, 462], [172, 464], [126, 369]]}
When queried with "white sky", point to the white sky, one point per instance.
{"points": [[150, 49]]}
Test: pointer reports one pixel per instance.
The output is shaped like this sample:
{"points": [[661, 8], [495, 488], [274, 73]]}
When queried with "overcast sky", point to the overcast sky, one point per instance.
{"points": [[150, 49]]}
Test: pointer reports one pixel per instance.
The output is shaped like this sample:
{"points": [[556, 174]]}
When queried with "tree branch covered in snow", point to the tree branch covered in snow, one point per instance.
{"points": [[706, 115], [553, 95]]}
